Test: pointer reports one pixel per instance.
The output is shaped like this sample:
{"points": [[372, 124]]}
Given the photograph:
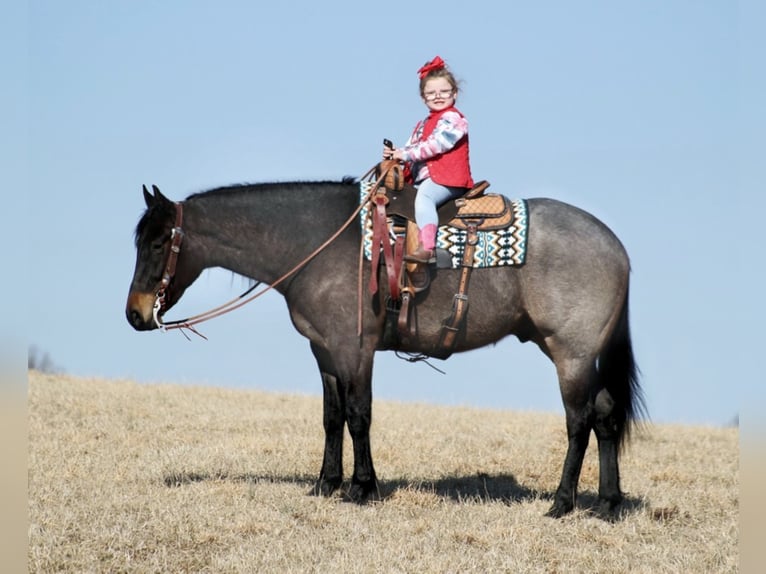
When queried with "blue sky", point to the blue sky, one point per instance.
{"points": [[643, 113]]}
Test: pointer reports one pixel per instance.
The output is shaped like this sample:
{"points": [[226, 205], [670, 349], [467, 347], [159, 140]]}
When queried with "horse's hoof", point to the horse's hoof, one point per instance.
{"points": [[362, 492], [608, 507], [325, 487], [559, 509]]}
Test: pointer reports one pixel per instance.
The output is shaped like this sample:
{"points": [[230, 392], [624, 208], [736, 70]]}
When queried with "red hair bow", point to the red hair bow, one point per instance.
{"points": [[436, 64]]}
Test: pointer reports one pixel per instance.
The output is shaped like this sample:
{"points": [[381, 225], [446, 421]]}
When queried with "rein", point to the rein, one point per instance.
{"points": [[177, 235]]}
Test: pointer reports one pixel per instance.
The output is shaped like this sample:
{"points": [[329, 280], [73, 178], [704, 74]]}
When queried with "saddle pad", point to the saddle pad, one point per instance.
{"points": [[499, 247]]}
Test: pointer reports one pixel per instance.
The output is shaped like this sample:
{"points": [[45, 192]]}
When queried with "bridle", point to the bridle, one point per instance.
{"points": [[176, 238]]}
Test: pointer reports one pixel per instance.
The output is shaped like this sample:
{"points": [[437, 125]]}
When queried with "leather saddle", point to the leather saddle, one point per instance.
{"points": [[484, 212], [473, 212]]}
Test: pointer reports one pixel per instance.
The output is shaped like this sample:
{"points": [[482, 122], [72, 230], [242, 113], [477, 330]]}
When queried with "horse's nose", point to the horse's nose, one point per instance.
{"points": [[139, 312], [137, 321], [134, 318]]}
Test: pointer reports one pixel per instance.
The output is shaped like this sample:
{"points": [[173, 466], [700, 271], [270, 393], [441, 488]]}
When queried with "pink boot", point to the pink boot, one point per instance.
{"points": [[426, 250]]}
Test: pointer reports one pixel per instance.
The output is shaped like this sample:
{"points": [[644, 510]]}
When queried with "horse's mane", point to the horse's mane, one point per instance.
{"points": [[162, 212], [240, 188]]}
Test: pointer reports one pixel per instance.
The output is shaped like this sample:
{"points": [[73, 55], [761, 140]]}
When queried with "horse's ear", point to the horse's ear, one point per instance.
{"points": [[158, 197], [148, 197]]}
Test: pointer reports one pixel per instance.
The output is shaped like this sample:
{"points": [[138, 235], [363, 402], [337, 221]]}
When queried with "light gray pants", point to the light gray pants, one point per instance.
{"points": [[430, 196]]}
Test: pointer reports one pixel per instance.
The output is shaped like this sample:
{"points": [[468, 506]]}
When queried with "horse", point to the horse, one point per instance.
{"points": [[569, 297]]}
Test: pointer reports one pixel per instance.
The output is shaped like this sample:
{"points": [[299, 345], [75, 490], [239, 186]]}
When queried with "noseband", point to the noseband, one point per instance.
{"points": [[176, 237]]}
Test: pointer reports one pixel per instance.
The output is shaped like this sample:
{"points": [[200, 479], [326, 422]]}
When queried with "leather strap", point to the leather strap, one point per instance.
{"points": [[403, 323], [380, 240], [399, 260], [377, 230], [452, 324], [177, 237]]}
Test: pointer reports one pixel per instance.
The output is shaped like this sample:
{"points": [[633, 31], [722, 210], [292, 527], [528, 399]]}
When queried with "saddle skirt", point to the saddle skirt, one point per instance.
{"points": [[498, 226]]}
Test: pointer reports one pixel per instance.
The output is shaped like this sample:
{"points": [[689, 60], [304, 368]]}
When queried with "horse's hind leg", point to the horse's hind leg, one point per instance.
{"points": [[607, 434], [575, 379]]}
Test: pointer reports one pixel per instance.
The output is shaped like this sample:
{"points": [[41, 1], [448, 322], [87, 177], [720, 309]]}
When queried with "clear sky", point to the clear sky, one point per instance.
{"points": [[643, 113]]}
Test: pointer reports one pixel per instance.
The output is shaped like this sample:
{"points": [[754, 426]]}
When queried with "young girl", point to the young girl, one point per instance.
{"points": [[436, 153]]}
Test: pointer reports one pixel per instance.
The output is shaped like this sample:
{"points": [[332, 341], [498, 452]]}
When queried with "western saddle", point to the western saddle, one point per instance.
{"points": [[393, 208]]}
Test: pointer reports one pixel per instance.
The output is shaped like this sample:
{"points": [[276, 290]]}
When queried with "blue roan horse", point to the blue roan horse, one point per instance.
{"points": [[570, 298]]}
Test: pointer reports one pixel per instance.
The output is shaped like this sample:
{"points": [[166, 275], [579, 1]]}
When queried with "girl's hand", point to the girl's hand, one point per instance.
{"points": [[389, 153]]}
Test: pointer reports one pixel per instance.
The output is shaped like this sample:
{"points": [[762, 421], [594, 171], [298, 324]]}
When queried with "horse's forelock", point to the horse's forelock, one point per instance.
{"points": [[152, 222]]}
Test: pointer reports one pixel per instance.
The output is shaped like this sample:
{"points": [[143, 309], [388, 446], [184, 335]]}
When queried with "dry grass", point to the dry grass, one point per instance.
{"points": [[137, 478]]}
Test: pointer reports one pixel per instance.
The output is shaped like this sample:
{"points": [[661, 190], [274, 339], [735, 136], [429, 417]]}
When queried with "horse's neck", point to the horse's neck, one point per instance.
{"points": [[259, 235]]}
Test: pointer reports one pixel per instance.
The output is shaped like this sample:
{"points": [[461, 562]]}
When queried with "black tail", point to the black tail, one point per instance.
{"points": [[619, 374]]}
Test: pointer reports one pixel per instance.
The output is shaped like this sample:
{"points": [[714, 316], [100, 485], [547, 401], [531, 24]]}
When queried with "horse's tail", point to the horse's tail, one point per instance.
{"points": [[619, 374]]}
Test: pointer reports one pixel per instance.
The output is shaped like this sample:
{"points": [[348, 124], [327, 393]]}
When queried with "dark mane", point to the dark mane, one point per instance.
{"points": [[154, 219], [267, 186]]}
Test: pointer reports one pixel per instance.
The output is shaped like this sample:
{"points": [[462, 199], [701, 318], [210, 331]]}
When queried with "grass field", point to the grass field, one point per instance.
{"points": [[162, 478]]}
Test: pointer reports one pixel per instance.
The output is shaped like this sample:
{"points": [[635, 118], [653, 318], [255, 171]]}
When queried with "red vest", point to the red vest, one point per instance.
{"points": [[451, 168]]}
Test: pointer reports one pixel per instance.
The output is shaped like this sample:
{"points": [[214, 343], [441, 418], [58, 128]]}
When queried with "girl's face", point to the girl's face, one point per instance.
{"points": [[438, 94]]}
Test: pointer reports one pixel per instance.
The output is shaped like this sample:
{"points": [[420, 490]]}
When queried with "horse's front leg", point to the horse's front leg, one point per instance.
{"points": [[364, 484], [331, 475], [334, 418]]}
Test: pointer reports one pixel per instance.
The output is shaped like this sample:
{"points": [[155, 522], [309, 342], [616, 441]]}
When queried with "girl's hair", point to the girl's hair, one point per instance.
{"points": [[439, 73]]}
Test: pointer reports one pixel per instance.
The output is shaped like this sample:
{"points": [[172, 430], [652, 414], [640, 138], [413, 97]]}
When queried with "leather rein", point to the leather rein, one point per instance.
{"points": [[176, 238]]}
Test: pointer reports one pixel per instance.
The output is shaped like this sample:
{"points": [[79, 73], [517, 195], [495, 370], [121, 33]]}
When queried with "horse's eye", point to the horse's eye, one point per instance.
{"points": [[158, 246]]}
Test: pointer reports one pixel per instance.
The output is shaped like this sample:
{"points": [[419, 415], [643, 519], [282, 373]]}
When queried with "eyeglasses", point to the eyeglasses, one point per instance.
{"points": [[444, 94]]}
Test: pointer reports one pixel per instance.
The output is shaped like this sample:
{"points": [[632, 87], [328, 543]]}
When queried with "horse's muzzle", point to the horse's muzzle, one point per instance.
{"points": [[139, 311]]}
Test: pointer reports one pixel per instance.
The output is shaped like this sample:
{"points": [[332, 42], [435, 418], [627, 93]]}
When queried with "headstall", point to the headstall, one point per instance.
{"points": [[176, 238]]}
